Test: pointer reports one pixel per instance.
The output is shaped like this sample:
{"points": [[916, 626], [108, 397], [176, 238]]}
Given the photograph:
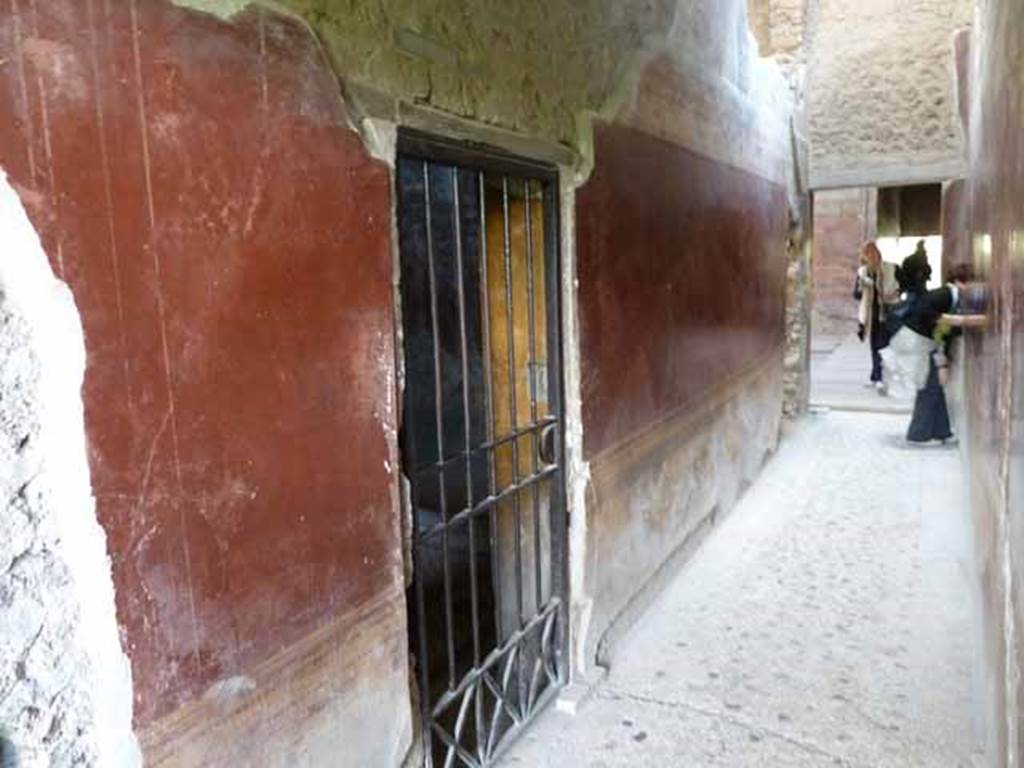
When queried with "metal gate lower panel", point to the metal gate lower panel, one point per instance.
{"points": [[481, 442]]}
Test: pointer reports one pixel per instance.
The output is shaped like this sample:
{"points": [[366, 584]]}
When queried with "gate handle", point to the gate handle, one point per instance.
{"points": [[547, 444]]}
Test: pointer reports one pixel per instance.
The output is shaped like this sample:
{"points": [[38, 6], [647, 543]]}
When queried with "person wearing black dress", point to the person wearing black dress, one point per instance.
{"points": [[930, 420]]}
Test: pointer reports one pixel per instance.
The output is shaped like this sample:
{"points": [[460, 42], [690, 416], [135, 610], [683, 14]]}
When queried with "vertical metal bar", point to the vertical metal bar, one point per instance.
{"points": [[411, 460], [439, 415], [421, 619], [522, 704], [461, 291], [510, 320], [485, 311], [532, 368], [467, 433]]}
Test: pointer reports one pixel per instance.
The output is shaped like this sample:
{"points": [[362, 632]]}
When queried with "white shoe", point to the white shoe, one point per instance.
{"points": [[883, 390]]}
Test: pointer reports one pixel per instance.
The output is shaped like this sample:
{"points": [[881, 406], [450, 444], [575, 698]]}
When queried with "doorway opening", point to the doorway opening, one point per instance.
{"points": [[902, 220], [481, 441]]}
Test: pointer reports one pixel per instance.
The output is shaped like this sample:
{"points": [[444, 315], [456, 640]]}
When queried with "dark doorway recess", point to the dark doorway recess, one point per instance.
{"points": [[911, 211], [481, 441]]}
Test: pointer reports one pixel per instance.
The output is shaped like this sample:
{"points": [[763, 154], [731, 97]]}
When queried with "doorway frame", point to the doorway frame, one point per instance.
{"points": [[487, 157]]}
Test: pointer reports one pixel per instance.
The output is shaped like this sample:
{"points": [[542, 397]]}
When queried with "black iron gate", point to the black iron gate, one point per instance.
{"points": [[482, 441]]}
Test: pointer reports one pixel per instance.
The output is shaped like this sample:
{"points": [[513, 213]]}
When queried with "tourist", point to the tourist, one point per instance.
{"points": [[918, 354], [877, 289]]}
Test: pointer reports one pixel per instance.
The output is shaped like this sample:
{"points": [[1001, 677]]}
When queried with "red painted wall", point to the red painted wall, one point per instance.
{"points": [[681, 279], [226, 239], [955, 237], [995, 357], [956, 246], [840, 228]]}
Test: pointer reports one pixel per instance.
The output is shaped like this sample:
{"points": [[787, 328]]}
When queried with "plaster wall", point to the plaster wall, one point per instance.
{"points": [[780, 27], [226, 238], [994, 357], [534, 68], [194, 180], [682, 364], [686, 73], [956, 245], [881, 97], [781, 30], [65, 682]]}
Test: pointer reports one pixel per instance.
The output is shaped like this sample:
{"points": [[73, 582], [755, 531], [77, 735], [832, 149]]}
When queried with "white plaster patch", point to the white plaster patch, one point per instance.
{"points": [[380, 137], [228, 694], [223, 9], [577, 470], [67, 696]]}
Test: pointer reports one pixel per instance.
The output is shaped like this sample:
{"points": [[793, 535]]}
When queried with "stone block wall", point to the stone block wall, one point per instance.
{"points": [[788, 27], [881, 95]]}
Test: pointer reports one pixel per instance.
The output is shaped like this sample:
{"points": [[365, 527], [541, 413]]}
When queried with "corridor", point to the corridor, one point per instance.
{"points": [[368, 369], [828, 620]]}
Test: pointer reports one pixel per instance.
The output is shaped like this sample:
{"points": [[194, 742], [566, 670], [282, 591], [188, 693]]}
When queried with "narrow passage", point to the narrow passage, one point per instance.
{"points": [[829, 620]]}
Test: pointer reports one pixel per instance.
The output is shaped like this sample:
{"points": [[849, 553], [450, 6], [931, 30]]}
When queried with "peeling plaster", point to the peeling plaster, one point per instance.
{"points": [[531, 79], [528, 68], [67, 700], [223, 9], [577, 470]]}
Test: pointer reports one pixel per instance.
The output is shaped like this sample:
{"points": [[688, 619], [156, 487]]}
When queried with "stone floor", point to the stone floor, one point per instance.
{"points": [[839, 368], [827, 621]]}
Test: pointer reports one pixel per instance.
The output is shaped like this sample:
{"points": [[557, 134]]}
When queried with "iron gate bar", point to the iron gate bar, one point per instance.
{"points": [[485, 312], [495, 656], [422, 661], [454, 748], [439, 415], [513, 733], [532, 376], [532, 653], [501, 694], [464, 351], [518, 719], [433, 466], [509, 317], [491, 501], [467, 435]]}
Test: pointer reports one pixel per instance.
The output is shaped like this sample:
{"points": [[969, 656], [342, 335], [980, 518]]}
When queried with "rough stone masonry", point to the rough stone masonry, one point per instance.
{"points": [[881, 99], [65, 685]]}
